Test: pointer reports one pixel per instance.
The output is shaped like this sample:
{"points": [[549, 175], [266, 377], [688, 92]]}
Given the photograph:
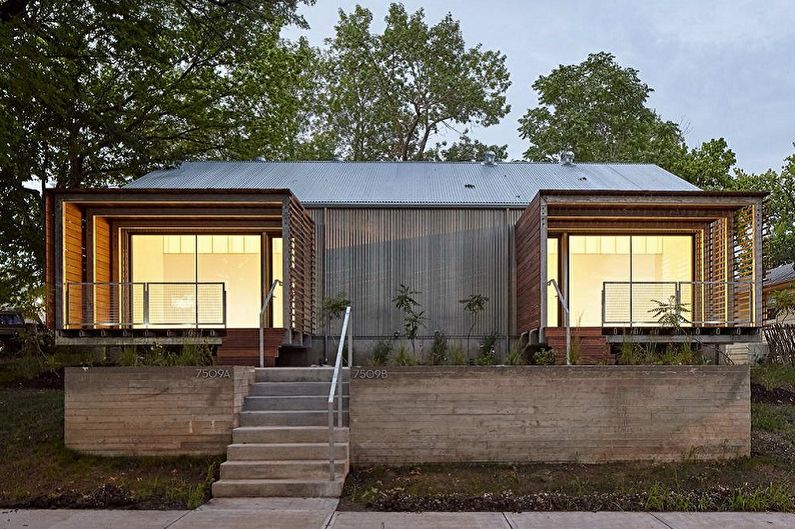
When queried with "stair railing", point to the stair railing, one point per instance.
{"points": [[565, 304], [262, 312], [336, 388]]}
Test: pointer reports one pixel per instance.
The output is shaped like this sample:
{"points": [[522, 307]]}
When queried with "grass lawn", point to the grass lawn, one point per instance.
{"points": [[36, 470], [765, 481]]}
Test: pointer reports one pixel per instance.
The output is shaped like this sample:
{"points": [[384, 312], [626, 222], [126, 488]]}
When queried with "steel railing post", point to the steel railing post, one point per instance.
{"points": [[350, 342], [146, 305]]}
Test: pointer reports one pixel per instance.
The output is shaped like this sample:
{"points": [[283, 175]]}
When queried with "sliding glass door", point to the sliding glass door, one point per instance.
{"points": [[170, 263], [653, 263]]}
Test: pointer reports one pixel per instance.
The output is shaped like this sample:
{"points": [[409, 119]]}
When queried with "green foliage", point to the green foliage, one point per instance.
{"points": [[650, 354], [194, 355], [768, 418], [597, 109], [128, 357], [515, 355], [473, 305], [404, 357], [333, 307], [413, 319], [97, 92], [387, 95], [381, 352], [544, 357], [774, 376], [488, 351], [458, 356], [466, 150], [162, 356], [670, 313], [783, 302], [438, 354], [774, 497]]}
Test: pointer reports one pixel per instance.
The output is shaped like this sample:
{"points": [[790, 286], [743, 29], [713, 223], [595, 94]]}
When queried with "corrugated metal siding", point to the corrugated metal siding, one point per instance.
{"points": [[447, 254], [413, 183]]}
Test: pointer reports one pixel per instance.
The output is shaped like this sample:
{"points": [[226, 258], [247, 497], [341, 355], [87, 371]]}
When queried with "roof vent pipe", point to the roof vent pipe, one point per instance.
{"points": [[260, 159], [489, 158], [566, 158]]}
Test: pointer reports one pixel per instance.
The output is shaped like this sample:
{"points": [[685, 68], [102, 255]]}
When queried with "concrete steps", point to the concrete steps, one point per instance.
{"points": [[281, 446]]}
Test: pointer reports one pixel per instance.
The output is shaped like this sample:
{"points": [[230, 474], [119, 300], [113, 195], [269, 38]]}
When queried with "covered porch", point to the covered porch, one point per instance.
{"points": [[640, 266], [133, 267]]}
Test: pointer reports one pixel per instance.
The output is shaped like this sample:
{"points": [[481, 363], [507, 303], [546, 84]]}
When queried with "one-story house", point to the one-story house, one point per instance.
{"points": [[190, 253], [776, 279]]}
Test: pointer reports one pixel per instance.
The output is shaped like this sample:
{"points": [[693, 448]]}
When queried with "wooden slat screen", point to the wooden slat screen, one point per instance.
{"points": [[743, 263], [102, 271], [73, 259], [528, 268], [302, 268]]}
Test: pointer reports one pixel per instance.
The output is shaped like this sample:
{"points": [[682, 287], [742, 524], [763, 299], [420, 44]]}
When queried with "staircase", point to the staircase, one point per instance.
{"points": [[281, 447], [593, 346]]}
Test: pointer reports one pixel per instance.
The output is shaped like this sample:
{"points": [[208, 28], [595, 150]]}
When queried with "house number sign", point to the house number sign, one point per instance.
{"points": [[370, 373], [213, 373]]}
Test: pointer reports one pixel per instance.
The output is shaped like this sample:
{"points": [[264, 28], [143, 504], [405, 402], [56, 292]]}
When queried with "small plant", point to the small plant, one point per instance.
{"points": [[782, 303], [544, 357], [413, 319], [473, 305], [404, 358], [128, 356], [381, 353], [438, 354], [575, 351], [457, 355], [332, 308], [194, 355], [488, 351], [515, 356], [631, 354], [670, 313]]}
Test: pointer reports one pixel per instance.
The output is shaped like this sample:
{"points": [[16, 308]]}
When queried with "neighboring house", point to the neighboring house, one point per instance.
{"points": [[189, 253], [776, 279]]}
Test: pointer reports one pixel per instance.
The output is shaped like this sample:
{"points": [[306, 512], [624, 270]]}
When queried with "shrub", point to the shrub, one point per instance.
{"points": [[488, 351], [413, 319], [515, 355], [128, 357], [404, 357], [457, 355], [194, 355], [438, 354], [544, 357], [473, 305], [382, 350]]}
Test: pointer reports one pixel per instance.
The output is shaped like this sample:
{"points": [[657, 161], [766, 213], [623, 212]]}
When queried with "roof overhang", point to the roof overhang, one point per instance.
{"points": [[703, 199]]}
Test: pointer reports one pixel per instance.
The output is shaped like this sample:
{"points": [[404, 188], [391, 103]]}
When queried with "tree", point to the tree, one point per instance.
{"points": [[388, 95], [465, 150], [779, 209], [473, 305], [709, 166], [597, 109], [95, 92], [413, 319]]}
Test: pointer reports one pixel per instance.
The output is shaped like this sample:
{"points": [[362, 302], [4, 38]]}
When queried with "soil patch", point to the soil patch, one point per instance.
{"points": [[760, 393]]}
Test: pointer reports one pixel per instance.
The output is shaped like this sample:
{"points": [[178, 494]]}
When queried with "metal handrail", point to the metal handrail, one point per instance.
{"points": [[677, 293], [336, 388], [264, 308], [565, 304]]}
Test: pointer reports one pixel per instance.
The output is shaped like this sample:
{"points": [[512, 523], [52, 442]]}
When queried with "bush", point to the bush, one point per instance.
{"points": [[162, 356], [457, 355], [404, 357], [544, 357], [381, 352], [515, 356], [438, 354], [488, 351]]}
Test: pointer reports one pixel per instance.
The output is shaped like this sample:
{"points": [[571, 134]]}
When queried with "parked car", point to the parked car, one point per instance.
{"points": [[12, 324]]}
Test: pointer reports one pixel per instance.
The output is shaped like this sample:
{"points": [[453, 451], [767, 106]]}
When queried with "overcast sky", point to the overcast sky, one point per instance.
{"points": [[718, 68]]}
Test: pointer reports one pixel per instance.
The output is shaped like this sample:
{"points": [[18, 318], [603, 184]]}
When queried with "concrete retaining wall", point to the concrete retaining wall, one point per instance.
{"points": [[153, 410], [550, 413]]}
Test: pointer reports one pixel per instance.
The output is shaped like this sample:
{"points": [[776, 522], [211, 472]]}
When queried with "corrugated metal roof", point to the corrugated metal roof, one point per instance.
{"points": [[420, 183], [780, 274]]}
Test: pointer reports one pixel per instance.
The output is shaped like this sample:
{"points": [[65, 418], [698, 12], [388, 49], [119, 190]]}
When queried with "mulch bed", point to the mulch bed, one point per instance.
{"points": [[106, 496]]}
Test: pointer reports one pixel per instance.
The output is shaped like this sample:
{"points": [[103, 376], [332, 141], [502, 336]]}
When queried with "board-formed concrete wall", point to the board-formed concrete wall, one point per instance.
{"points": [[550, 413], [153, 410]]}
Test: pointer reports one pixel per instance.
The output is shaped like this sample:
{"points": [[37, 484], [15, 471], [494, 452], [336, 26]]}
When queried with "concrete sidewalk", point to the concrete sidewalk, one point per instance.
{"points": [[286, 513]]}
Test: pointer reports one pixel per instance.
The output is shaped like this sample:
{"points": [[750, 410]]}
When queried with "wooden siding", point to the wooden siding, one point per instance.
{"points": [[446, 254], [529, 268], [102, 270], [74, 259], [49, 260]]}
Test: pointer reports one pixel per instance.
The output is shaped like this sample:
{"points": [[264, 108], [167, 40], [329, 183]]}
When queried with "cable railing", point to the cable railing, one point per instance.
{"points": [[144, 305], [336, 389], [695, 303], [262, 314]]}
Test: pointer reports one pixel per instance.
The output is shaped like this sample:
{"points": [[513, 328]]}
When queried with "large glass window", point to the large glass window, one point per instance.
{"points": [[657, 259], [165, 261]]}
